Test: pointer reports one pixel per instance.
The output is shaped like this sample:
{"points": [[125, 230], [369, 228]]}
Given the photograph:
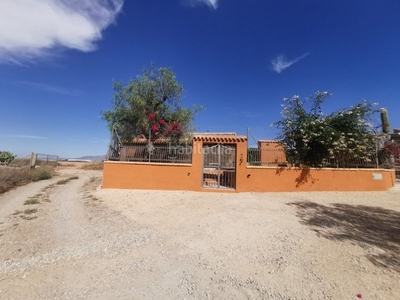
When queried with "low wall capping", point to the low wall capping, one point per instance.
{"points": [[321, 169], [147, 163]]}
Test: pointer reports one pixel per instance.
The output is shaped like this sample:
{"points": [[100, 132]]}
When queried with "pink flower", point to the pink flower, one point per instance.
{"points": [[152, 116], [163, 123], [154, 127], [168, 131]]}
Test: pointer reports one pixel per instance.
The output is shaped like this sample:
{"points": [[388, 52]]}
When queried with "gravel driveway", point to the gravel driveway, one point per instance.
{"points": [[81, 242]]}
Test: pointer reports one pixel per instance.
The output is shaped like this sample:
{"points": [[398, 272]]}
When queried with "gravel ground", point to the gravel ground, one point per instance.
{"points": [[81, 242]]}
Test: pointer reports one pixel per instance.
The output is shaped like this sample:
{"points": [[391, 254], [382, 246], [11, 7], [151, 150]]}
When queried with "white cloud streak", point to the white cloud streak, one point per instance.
{"points": [[211, 3], [22, 136], [42, 87], [34, 29], [281, 63]]}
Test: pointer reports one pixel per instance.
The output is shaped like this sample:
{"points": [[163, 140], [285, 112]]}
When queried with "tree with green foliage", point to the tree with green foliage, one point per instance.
{"points": [[149, 106], [6, 157], [312, 138]]}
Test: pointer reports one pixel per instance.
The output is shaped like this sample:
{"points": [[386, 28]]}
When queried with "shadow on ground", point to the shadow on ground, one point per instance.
{"points": [[373, 228]]}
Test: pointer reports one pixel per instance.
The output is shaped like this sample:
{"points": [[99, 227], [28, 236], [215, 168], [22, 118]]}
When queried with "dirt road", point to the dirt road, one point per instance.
{"points": [[80, 242]]}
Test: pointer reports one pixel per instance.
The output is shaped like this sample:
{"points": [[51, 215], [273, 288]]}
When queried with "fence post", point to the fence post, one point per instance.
{"points": [[33, 160]]}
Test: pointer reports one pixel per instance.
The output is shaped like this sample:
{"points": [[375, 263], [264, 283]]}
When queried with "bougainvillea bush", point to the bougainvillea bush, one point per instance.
{"points": [[313, 138], [392, 149]]}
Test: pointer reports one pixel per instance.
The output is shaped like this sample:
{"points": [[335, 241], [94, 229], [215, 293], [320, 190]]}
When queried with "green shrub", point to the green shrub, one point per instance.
{"points": [[312, 138], [6, 157]]}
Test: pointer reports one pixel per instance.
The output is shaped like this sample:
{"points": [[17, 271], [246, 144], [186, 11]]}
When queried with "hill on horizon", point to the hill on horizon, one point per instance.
{"points": [[93, 158]]}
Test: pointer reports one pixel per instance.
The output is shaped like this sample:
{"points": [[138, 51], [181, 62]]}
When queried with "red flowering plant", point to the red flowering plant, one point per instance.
{"points": [[392, 149], [158, 127], [174, 131]]}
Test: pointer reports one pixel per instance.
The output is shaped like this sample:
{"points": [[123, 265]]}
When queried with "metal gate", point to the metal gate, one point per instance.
{"points": [[219, 166]]}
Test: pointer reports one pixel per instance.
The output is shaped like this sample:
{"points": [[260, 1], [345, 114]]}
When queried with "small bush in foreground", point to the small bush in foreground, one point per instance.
{"points": [[11, 177], [41, 173]]}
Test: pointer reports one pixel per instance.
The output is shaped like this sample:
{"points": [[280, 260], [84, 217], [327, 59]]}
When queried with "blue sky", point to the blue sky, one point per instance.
{"points": [[238, 58]]}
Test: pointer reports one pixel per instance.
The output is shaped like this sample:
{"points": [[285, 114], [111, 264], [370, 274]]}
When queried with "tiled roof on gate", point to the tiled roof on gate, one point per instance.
{"points": [[215, 133], [270, 141], [222, 137]]}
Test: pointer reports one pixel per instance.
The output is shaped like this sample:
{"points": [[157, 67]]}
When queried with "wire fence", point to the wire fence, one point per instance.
{"points": [[46, 159], [277, 158], [153, 153], [39, 159]]}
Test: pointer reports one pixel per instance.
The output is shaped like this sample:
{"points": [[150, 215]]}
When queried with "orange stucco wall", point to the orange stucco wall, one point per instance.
{"points": [[258, 179], [152, 176], [271, 153], [155, 176], [132, 175]]}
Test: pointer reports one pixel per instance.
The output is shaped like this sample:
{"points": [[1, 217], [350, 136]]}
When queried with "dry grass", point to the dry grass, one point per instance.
{"points": [[33, 200], [29, 217], [66, 164], [42, 163], [93, 166], [20, 162], [42, 173], [30, 211], [11, 177], [64, 181]]}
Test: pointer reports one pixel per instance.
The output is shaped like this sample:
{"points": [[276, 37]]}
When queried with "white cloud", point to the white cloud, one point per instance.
{"points": [[22, 136], [42, 87], [211, 3], [33, 29], [281, 63]]}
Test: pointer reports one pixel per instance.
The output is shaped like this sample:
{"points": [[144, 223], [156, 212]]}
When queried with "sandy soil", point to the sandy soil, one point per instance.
{"points": [[86, 243]]}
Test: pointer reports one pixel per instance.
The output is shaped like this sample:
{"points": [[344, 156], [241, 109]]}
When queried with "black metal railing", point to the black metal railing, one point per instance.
{"points": [[277, 158], [155, 153], [266, 157]]}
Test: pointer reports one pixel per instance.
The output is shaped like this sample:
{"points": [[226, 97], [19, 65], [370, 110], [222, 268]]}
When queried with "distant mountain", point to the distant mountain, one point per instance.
{"points": [[93, 158]]}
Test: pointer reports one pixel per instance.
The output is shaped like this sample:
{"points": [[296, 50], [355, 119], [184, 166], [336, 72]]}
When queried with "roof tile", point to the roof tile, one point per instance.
{"points": [[219, 137]]}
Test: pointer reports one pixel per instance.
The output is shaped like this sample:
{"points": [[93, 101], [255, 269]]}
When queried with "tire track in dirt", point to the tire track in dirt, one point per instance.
{"points": [[66, 250]]}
